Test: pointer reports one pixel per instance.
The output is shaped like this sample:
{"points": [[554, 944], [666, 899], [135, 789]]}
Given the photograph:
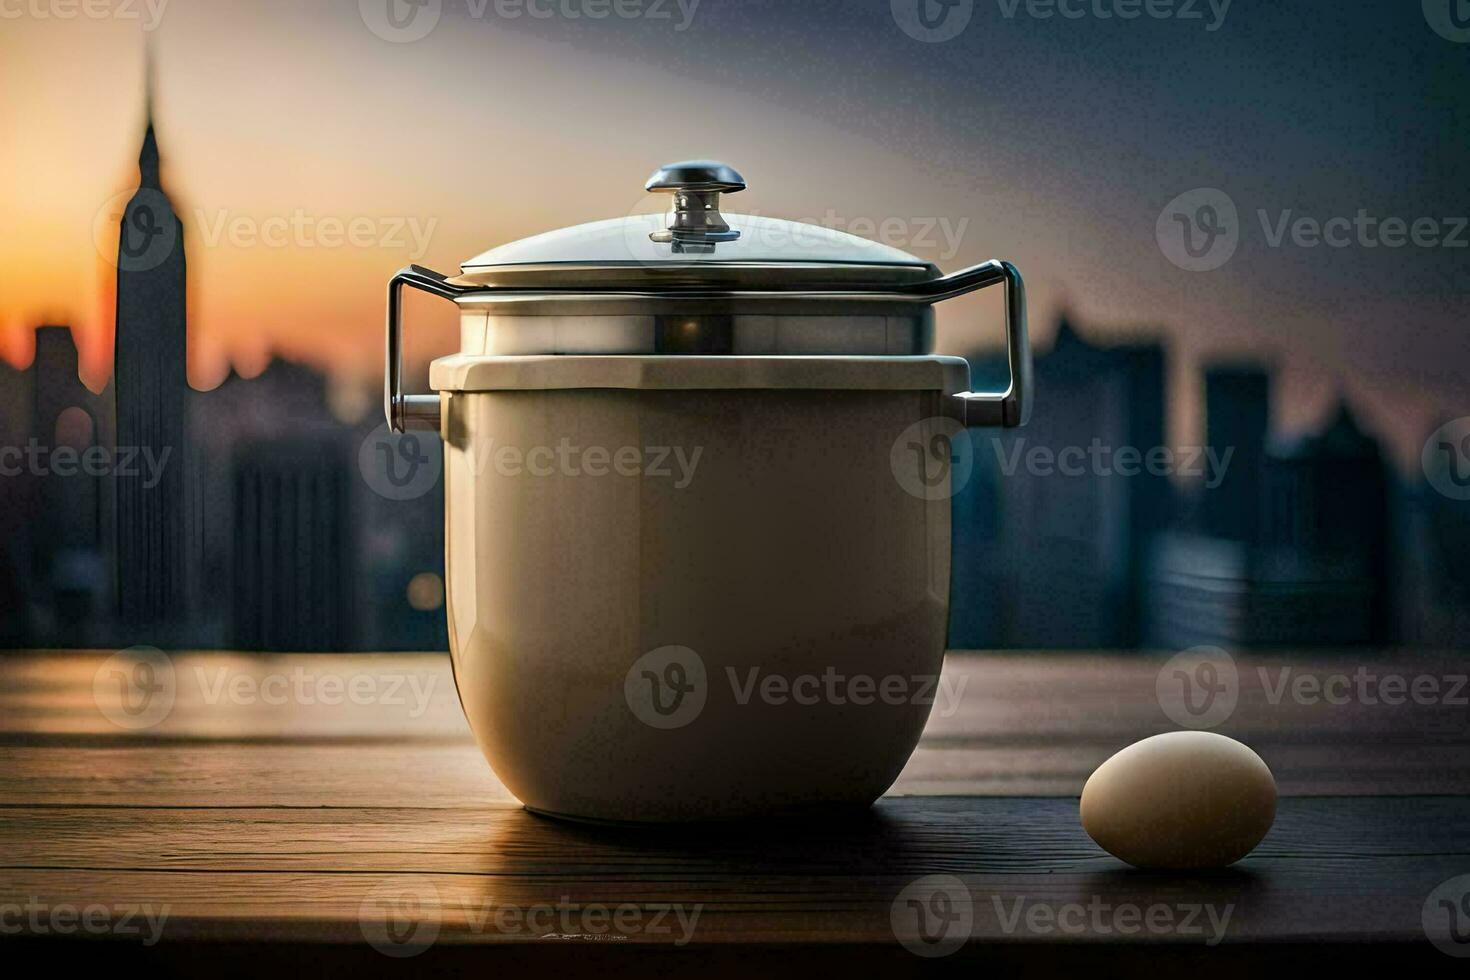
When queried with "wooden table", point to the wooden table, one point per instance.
{"points": [[312, 812]]}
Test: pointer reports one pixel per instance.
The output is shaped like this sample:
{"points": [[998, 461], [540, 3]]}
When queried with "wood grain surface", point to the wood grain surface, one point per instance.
{"points": [[307, 803]]}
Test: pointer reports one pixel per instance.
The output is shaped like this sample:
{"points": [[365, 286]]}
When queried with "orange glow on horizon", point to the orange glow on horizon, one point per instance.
{"points": [[485, 133]]}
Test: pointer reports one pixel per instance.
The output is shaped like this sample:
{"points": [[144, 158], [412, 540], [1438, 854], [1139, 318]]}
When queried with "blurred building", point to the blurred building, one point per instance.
{"points": [[402, 566], [1272, 542], [153, 551], [1302, 556], [285, 404], [16, 509], [294, 568], [1237, 421], [232, 518], [1053, 555], [71, 568], [55, 500], [1433, 543], [246, 517], [248, 434]]}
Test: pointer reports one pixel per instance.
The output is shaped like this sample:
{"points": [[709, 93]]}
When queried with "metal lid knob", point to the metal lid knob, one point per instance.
{"points": [[695, 223], [696, 175]]}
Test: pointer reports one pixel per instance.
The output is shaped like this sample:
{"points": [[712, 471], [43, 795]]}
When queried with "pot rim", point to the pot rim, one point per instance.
{"points": [[464, 373]]}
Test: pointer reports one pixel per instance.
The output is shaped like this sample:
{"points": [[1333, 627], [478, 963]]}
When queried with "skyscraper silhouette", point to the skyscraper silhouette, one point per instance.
{"points": [[1297, 554], [1238, 421], [70, 579], [1047, 559], [151, 390], [294, 574]]}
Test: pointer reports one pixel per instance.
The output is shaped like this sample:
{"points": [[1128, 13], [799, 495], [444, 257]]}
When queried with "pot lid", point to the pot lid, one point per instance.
{"points": [[694, 246]]}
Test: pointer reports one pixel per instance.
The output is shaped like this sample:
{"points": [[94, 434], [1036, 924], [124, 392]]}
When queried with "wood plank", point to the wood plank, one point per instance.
{"points": [[435, 775], [1025, 725], [234, 775], [216, 696], [1331, 870], [974, 835], [583, 956], [281, 819], [1104, 696]]}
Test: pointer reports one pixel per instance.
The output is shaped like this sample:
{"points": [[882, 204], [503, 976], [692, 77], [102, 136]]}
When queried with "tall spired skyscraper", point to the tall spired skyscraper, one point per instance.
{"points": [[151, 388]]}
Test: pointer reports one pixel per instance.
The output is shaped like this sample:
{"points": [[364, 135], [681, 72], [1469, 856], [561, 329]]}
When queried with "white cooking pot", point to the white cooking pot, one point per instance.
{"points": [[697, 475]]}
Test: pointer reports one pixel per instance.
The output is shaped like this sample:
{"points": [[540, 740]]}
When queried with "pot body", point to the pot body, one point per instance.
{"points": [[691, 599]]}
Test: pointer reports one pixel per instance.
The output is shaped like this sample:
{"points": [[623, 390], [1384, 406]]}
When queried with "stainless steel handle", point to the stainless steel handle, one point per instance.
{"points": [[405, 410], [1008, 408], [1011, 407]]}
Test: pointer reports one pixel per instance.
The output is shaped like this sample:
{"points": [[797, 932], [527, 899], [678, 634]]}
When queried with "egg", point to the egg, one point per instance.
{"points": [[1180, 800]]}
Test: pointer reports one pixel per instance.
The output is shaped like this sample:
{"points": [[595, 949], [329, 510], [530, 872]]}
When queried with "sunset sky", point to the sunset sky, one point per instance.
{"points": [[1054, 143]]}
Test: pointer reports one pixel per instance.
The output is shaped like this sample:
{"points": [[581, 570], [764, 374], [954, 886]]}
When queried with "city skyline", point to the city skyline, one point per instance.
{"points": [[234, 517], [254, 537], [1056, 175]]}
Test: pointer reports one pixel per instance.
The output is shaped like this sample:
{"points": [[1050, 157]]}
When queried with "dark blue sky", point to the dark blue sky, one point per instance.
{"points": [[1065, 138], [1064, 145]]}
